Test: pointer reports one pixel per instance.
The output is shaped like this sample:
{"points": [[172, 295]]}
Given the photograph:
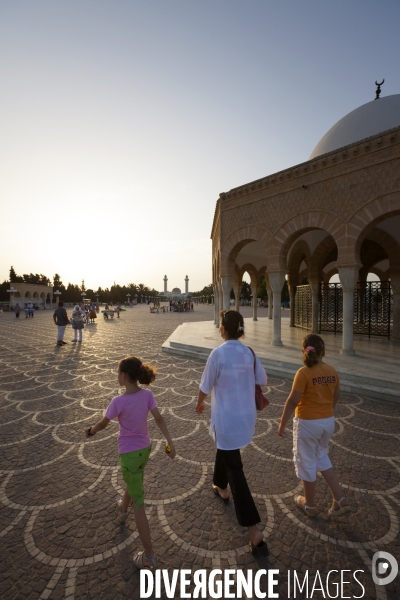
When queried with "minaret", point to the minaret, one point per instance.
{"points": [[186, 285], [165, 284]]}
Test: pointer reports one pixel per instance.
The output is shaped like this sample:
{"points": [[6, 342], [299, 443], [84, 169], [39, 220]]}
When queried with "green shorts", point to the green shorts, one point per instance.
{"points": [[132, 467]]}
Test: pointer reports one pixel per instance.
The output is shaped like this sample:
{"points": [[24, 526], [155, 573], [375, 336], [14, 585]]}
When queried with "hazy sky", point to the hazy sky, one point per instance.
{"points": [[122, 121]]}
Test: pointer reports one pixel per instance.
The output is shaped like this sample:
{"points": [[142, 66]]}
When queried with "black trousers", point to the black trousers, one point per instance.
{"points": [[229, 469]]}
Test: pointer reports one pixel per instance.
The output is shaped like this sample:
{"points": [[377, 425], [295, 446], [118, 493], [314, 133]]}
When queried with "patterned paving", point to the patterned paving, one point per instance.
{"points": [[59, 535]]}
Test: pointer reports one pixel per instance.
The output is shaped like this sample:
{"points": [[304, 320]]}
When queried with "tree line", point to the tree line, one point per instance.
{"points": [[73, 293]]}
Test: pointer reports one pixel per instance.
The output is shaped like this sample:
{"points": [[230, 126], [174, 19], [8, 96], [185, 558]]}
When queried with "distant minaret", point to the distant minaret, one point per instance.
{"points": [[186, 285], [165, 284]]}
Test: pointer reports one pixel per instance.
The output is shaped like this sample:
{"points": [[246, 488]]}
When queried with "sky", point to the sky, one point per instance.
{"points": [[122, 121]]}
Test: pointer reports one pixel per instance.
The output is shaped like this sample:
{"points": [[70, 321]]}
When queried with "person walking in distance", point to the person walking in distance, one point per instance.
{"points": [[314, 396], [60, 318], [78, 318]]}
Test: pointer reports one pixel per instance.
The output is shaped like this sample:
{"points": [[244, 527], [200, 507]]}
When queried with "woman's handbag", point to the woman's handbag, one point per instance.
{"points": [[261, 400]]}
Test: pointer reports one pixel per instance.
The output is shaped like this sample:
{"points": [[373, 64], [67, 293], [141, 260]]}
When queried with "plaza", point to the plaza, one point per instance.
{"points": [[59, 533]]}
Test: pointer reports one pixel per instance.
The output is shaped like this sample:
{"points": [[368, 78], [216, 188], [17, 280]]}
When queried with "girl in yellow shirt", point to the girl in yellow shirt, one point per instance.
{"points": [[315, 393]]}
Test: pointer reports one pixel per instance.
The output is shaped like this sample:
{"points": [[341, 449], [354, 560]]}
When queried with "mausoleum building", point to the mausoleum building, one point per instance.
{"points": [[336, 213]]}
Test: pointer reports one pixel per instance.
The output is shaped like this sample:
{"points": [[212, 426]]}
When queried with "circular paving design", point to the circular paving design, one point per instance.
{"points": [[59, 537]]}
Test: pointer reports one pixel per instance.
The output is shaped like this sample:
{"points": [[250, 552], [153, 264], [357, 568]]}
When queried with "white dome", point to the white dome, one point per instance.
{"points": [[176, 291], [363, 122]]}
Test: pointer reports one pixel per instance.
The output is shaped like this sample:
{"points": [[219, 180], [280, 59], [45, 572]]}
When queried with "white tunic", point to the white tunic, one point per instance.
{"points": [[229, 376]]}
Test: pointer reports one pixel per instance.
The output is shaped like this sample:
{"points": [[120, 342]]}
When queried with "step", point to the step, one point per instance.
{"points": [[381, 389]]}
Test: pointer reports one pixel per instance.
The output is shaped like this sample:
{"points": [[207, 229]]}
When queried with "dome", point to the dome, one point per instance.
{"points": [[363, 122], [176, 291]]}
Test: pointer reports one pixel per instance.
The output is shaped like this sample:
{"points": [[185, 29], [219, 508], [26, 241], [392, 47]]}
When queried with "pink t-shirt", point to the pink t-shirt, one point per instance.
{"points": [[132, 411]]}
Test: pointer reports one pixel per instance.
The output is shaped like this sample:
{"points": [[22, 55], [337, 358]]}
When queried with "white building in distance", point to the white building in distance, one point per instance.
{"points": [[176, 293]]}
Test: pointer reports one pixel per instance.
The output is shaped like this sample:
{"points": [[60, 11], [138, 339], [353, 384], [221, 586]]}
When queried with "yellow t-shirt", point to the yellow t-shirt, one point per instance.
{"points": [[317, 384]]}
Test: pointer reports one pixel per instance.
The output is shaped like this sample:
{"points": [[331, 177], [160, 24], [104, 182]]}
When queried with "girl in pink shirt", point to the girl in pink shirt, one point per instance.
{"points": [[134, 445]]}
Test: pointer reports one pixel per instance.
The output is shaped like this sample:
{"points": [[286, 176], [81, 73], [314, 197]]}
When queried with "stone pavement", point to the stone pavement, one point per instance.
{"points": [[59, 537]]}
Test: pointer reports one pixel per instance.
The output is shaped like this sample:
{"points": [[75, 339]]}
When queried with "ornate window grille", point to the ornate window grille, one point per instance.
{"points": [[373, 308]]}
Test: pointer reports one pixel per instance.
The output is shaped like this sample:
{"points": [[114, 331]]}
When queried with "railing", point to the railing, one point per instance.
{"points": [[331, 307], [373, 308], [302, 307]]}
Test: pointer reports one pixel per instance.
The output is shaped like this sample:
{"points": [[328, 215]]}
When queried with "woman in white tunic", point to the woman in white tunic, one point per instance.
{"points": [[230, 375]]}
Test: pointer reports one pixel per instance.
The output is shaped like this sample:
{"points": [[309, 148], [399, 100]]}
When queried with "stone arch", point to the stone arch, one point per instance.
{"points": [[35, 295], [303, 273], [43, 295], [28, 295], [371, 253], [389, 245], [361, 224], [298, 253], [330, 274], [236, 241], [282, 240], [324, 253], [326, 276], [252, 271], [379, 273]]}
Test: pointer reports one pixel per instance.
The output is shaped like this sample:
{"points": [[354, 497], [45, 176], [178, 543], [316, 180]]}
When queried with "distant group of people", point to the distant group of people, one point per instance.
{"points": [[110, 309], [179, 306], [81, 315], [29, 310]]}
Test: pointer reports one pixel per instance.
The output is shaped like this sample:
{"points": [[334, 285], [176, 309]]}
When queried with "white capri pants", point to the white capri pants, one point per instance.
{"points": [[310, 446]]}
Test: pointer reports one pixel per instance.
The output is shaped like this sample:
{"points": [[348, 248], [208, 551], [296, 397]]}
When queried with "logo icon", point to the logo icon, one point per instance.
{"points": [[384, 568]]}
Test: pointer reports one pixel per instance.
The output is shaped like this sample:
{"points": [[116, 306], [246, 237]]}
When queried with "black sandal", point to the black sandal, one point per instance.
{"points": [[260, 549], [216, 492]]}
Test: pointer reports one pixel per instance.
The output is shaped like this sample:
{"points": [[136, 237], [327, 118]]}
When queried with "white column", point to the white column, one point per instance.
{"points": [[314, 287], [226, 282], [254, 289], [186, 285], [276, 281], [220, 303], [395, 284], [348, 278], [165, 285], [216, 304], [292, 301], [237, 289], [292, 293], [270, 300]]}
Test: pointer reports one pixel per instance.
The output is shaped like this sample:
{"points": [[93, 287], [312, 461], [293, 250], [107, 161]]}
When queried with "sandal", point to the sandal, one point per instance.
{"points": [[139, 557], [304, 507], [259, 549], [215, 489], [341, 510], [121, 515]]}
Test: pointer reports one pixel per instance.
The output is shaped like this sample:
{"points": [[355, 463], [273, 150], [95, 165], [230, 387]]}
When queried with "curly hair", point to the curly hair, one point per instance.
{"points": [[136, 370], [313, 347], [233, 322]]}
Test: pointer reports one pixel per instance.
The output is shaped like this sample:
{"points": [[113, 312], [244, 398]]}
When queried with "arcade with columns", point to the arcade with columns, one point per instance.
{"points": [[337, 214]]}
